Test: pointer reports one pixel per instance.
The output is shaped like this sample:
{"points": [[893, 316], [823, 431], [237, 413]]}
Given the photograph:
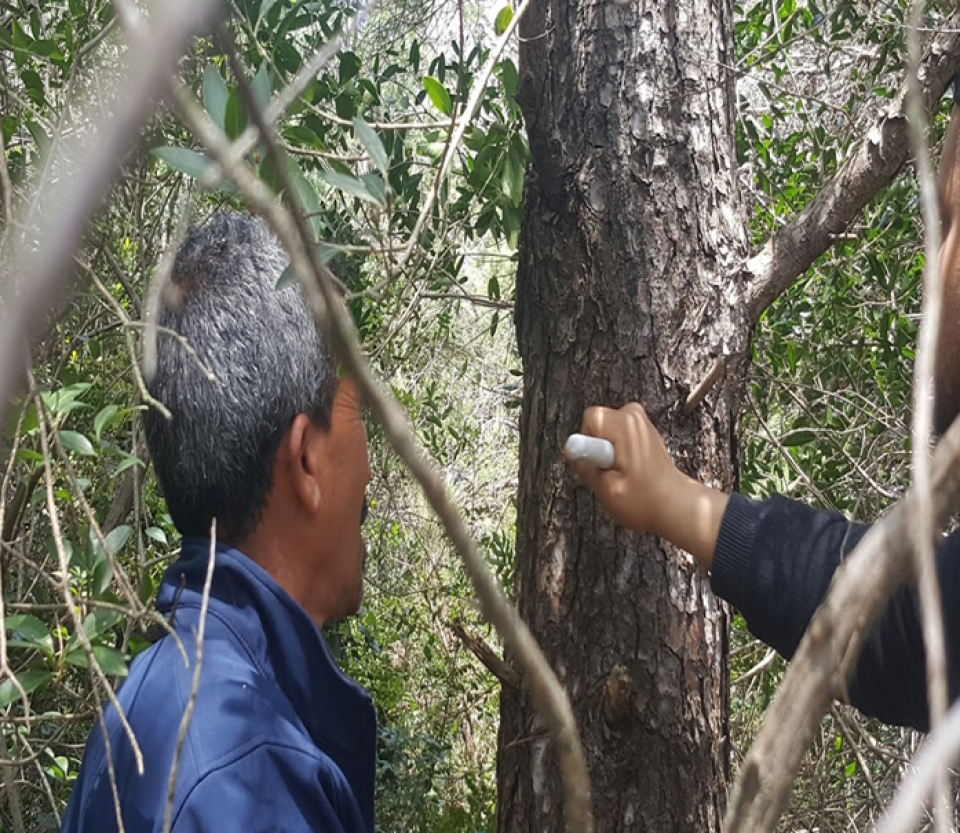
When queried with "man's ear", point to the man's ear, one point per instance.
{"points": [[299, 456]]}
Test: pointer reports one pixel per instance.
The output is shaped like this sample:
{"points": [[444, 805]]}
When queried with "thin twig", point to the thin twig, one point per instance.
{"points": [[124, 281], [768, 659], [329, 115], [937, 754], [160, 294], [924, 556], [121, 313], [195, 684], [855, 747], [4, 485], [7, 186], [706, 385]]}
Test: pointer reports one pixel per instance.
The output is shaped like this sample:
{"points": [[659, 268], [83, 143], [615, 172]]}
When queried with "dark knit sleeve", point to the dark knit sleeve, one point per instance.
{"points": [[774, 562]]}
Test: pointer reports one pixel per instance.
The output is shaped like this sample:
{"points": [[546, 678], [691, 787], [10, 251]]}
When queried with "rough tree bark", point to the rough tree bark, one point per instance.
{"points": [[632, 227]]}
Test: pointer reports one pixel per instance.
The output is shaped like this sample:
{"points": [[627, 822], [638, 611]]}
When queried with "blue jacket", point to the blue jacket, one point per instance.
{"points": [[280, 739]]}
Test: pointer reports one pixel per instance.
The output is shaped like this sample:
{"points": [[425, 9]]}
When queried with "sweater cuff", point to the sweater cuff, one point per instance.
{"points": [[731, 575]]}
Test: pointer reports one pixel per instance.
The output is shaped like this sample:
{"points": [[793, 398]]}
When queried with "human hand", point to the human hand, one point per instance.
{"points": [[643, 482]]}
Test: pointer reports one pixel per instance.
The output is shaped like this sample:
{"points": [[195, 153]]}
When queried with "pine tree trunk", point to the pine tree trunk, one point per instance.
{"points": [[632, 229]]}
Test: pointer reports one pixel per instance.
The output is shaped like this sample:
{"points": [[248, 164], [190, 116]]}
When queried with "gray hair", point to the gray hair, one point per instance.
{"points": [[215, 457]]}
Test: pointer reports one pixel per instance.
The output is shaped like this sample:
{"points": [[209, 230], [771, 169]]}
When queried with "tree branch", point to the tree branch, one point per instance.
{"points": [[937, 754], [791, 251], [924, 550], [826, 656], [503, 671]]}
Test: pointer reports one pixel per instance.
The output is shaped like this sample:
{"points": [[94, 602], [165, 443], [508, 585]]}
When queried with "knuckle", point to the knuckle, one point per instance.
{"points": [[593, 417]]}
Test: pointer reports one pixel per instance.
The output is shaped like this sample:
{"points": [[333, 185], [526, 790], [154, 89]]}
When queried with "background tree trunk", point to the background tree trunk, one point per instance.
{"points": [[632, 229]]}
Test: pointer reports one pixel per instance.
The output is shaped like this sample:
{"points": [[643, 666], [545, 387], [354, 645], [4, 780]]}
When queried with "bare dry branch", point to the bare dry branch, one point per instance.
{"points": [[6, 185], [871, 166], [939, 752], [503, 671], [826, 656], [706, 385], [925, 564], [121, 314]]}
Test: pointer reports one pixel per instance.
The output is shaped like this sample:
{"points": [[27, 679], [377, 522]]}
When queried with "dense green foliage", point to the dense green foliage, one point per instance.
{"points": [[829, 396]]}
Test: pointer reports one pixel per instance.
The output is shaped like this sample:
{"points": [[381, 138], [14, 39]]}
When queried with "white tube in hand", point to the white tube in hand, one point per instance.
{"points": [[593, 449]]}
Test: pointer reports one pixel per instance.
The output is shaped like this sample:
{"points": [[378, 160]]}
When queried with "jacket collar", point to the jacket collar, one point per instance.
{"points": [[285, 644]]}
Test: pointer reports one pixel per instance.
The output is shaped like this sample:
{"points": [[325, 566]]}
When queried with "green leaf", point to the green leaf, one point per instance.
{"points": [[235, 120], [512, 184], [349, 184], [154, 533], [98, 622], [503, 19], [40, 138], [507, 72], [104, 418], [116, 538], [128, 461], [215, 95], [371, 143], [374, 184], [189, 162], [801, 436], [34, 85], [265, 8], [110, 660], [30, 680], [349, 66], [77, 443], [260, 88], [287, 277], [302, 135], [63, 401], [268, 173], [29, 455], [27, 626], [438, 95], [102, 573], [307, 197]]}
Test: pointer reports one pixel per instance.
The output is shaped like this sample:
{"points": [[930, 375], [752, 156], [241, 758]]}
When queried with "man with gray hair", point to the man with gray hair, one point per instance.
{"points": [[268, 467]]}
